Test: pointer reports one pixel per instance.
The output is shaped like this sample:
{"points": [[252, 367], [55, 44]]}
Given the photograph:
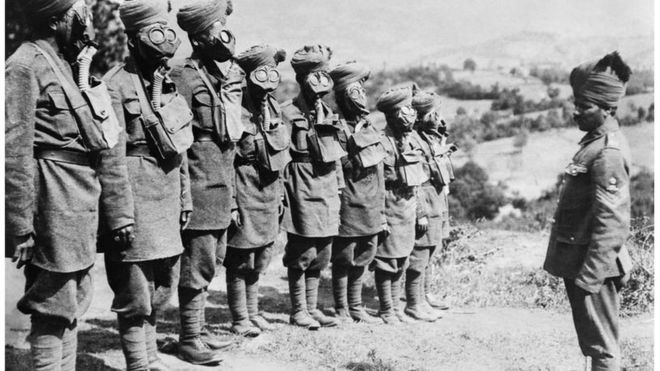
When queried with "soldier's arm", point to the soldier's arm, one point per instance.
{"points": [[116, 203], [21, 93], [611, 213], [186, 196]]}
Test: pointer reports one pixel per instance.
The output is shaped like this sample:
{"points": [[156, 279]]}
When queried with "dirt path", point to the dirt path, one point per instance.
{"points": [[466, 339]]}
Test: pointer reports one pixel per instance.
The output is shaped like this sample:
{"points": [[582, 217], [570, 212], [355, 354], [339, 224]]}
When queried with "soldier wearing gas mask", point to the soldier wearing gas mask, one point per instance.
{"points": [[312, 182], [404, 174], [210, 80], [63, 171], [362, 215], [431, 128], [143, 274], [262, 155]]}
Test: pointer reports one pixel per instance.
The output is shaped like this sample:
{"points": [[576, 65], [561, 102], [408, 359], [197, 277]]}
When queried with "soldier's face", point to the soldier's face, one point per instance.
{"points": [[588, 116]]}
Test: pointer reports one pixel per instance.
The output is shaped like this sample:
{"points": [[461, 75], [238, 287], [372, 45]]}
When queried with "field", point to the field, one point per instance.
{"points": [[493, 324], [535, 168]]}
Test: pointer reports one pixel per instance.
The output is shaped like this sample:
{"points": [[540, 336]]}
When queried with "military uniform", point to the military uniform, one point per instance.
{"points": [[144, 275], [587, 239]]}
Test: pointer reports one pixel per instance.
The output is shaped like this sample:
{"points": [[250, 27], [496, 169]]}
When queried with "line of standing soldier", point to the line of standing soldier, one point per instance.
{"points": [[172, 173]]}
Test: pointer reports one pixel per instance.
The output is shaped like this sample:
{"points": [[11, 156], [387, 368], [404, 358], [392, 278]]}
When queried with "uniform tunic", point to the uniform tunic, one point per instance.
{"points": [[401, 206], [210, 161], [432, 195], [258, 190], [160, 189], [311, 187], [57, 201]]}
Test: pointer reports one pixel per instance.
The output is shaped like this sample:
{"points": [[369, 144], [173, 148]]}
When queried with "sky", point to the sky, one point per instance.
{"points": [[388, 32]]}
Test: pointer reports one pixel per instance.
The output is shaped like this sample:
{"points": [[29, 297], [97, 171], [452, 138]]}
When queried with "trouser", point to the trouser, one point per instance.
{"points": [[389, 272], [55, 301], [596, 320], [243, 269], [350, 257], [141, 290]]}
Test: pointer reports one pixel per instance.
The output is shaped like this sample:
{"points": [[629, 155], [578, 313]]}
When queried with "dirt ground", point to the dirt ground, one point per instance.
{"points": [[467, 338]]}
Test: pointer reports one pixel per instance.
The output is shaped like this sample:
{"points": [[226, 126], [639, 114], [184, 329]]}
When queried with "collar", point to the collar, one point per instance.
{"points": [[610, 125]]}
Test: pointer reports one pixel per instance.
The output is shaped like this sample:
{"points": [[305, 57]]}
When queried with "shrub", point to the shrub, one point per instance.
{"points": [[478, 198]]}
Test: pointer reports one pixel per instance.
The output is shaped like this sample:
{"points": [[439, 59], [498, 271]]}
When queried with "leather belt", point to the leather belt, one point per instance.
{"points": [[139, 150], [301, 157], [63, 155], [240, 160], [203, 137]]}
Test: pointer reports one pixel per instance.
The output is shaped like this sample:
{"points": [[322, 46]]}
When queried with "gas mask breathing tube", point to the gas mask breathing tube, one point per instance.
{"points": [[355, 100], [319, 83]]}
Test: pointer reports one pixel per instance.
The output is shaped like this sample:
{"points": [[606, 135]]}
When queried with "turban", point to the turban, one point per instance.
{"points": [[424, 102], [601, 83], [348, 73], [394, 99], [44, 9], [260, 55], [200, 15], [311, 58], [136, 14]]}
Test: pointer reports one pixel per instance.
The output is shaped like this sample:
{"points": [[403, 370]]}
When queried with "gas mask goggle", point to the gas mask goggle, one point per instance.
{"points": [[217, 42], [355, 99], [318, 83], [157, 42], [404, 118], [265, 78], [76, 30]]}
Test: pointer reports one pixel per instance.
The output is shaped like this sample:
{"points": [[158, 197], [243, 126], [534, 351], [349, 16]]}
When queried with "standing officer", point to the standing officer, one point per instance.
{"points": [[592, 220], [62, 169], [363, 198], [262, 154], [312, 182], [210, 81], [404, 173], [157, 120]]}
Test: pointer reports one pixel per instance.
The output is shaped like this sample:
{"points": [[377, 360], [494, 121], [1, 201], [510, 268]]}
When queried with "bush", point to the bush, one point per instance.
{"points": [[637, 295], [477, 198], [641, 194]]}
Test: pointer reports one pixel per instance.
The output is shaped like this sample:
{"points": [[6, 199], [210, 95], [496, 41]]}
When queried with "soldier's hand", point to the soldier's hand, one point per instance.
{"points": [[422, 225], [24, 249], [184, 219], [123, 235], [236, 217]]}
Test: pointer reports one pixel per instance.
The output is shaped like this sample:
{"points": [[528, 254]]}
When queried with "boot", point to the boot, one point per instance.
{"points": [[384, 288], [191, 347], [46, 335], [69, 347], [237, 300], [214, 342], [299, 315], [252, 294], [133, 342], [357, 312], [339, 287], [396, 293], [155, 363], [312, 280], [428, 296], [413, 301]]}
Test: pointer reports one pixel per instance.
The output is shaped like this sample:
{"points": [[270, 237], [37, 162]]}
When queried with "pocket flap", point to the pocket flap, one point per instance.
{"points": [[99, 100], [175, 115], [58, 100], [278, 138], [132, 107], [411, 157], [301, 123], [203, 97], [366, 137]]}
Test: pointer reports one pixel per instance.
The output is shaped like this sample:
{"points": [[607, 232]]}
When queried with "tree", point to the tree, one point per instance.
{"points": [[470, 65]]}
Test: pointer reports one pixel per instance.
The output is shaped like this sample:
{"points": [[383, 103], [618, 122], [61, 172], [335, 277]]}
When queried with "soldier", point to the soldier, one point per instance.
{"points": [[62, 170], [592, 220], [312, 183], [262, 154], [404, 173], [362, 216], [431, 129], [143, 275], [210, 81]]}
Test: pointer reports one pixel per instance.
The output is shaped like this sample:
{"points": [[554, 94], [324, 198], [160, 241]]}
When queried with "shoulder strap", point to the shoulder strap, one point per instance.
{"points": [[72, 93], [214, 95], [142, 97]]}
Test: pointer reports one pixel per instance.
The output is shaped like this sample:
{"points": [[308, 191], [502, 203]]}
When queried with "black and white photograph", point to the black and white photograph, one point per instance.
{"points": [[366, 185]]}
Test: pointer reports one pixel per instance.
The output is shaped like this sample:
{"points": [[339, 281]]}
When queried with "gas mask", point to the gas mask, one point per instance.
{"points": [[157, 43], [265, 79], [355, 100], [403, 118], [218, 42], [75, 30], [318, 83]]}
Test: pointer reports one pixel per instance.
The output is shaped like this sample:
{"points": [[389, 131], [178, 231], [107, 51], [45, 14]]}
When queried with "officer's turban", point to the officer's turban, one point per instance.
{"points": [[44, 9], [394, 99], [311, 58], [200, 15], [348, 73], [260, 55], [136, 14], [602, 83], [424, 102]]}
